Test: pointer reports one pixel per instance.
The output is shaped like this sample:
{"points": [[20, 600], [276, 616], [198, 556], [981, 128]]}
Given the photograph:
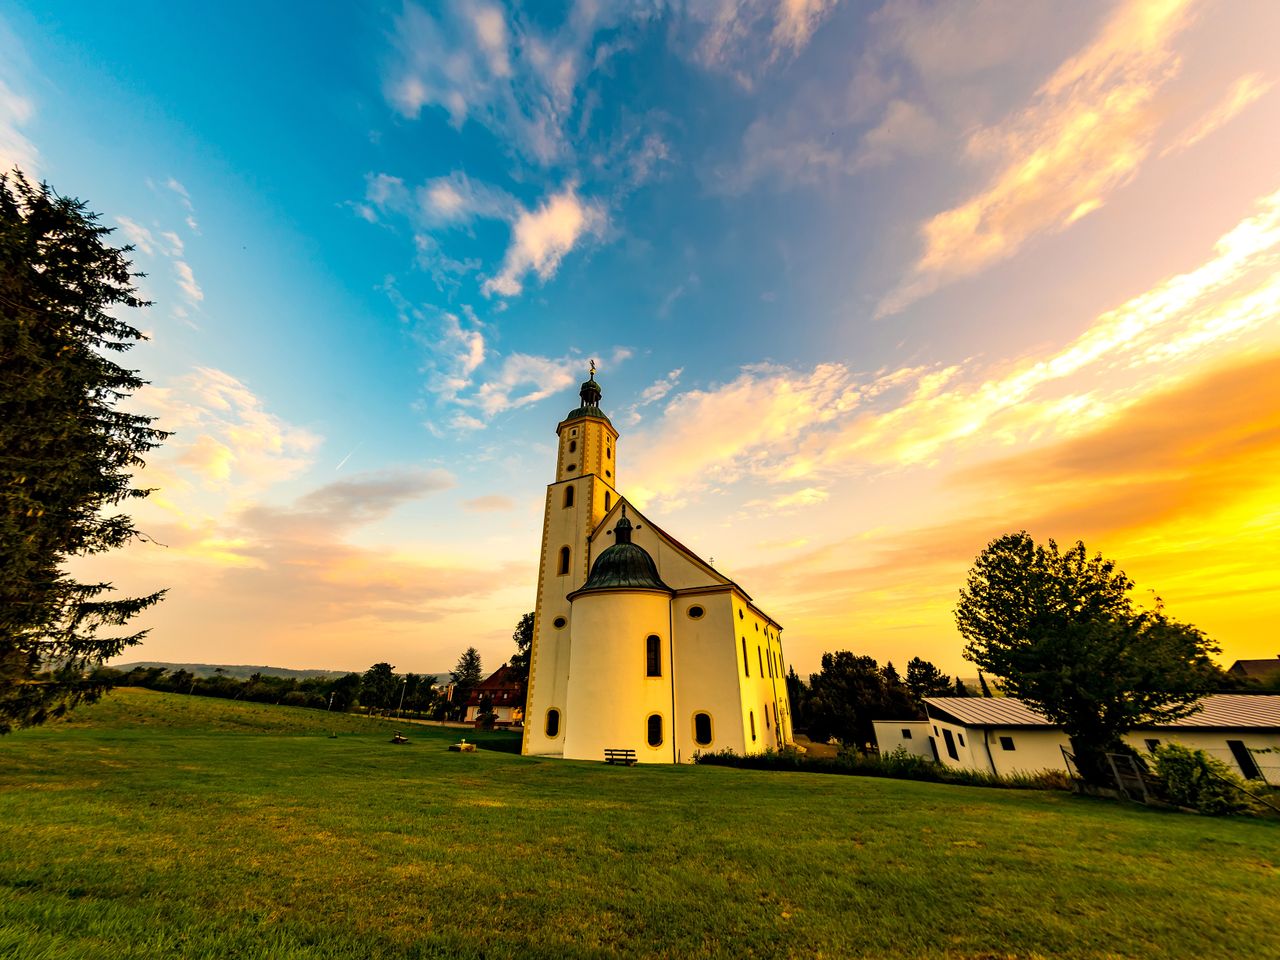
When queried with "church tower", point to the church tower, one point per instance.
{"points": [[584, 491]]}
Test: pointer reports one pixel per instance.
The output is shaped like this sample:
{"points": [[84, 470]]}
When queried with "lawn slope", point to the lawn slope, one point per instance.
{"points": [[156, 825]]}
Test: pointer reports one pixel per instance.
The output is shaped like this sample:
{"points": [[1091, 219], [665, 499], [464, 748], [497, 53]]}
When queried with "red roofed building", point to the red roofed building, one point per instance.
{"points": [[505, 689]]}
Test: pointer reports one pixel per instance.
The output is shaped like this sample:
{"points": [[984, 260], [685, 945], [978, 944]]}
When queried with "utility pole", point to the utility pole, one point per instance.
{"points": [[404, 685]]}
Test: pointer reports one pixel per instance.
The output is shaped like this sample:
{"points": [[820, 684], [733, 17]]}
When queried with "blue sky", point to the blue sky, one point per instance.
{"points": [[869, 285]]}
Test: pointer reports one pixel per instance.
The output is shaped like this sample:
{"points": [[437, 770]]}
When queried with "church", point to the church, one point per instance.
{"points": [[638, 643]]}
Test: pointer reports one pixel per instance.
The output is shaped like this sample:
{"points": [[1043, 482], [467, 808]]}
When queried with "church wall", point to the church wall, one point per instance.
{"points": [[706, 673], [610, 698], [549, 664], [765, 706]]}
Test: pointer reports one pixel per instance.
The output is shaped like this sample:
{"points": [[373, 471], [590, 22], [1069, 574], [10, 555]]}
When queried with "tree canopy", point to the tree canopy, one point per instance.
{"points": [[1060, 631], [66, 452], [466, 676]]}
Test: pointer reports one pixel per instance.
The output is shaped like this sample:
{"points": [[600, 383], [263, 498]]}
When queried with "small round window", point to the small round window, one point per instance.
{"points": [[559, 623], [572, 466], [696, 612]]}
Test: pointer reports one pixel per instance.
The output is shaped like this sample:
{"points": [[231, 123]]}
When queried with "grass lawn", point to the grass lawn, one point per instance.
{"points": [[157, 825]]}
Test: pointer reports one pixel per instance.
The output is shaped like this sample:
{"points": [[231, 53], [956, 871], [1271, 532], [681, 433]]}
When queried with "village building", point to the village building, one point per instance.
{"points": [[1003, 736], [1263, 671], [638, 643], [504, 691]]}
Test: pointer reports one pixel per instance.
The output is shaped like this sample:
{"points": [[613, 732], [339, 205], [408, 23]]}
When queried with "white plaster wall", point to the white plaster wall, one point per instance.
{"points": [[889, 737], [1214, 743], [609, 698], [706, 677]]}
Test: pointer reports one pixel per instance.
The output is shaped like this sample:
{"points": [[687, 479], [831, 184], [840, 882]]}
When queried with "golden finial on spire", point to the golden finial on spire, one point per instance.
{"points": [[593, 369]]}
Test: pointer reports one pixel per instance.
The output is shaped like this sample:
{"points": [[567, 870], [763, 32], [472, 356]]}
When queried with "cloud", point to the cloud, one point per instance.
{"points": [[1245, 91], [187, 281], [1084, 135], [739, 36], [456, 199], [494, 503], [540, 239], [16, 149], [138, 235], [184, 198], [777, 424]]}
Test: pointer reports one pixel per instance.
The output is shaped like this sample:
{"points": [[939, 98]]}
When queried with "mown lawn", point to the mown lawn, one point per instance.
{"points": [[157, 825]]}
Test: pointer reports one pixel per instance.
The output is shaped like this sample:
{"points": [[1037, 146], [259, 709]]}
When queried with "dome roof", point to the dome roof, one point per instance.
{"points": [[624, 564], [590, 394]]}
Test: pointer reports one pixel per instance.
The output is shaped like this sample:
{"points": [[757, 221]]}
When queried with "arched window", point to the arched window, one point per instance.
{"points": [[702, 729], [653, 656], [568, 496], [553, 723], [573, 446], [766, 716], [608, 499], [746, 664], [760, 657], [607, 452], [564, 560], [655, 730], [752, 717]]}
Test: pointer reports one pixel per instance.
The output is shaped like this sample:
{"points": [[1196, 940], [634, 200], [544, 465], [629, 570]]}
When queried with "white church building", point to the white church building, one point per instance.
{"points": [[638, 643]]}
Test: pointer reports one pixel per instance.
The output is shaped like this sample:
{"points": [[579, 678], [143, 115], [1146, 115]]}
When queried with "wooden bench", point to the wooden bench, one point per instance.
{"points": [[620, 756]]}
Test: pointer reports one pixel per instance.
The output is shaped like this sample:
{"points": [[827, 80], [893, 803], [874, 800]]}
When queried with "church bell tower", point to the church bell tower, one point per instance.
{"points": [[584, 490]]}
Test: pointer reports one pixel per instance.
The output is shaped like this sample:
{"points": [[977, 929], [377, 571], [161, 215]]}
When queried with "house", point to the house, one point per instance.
{"points": [[639, 643], [505, 690], [1263, 671], [1002, 735]]}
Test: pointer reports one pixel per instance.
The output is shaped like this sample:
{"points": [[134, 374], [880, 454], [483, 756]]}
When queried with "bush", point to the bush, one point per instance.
{"points": [[1192, 778], [899, 765]]}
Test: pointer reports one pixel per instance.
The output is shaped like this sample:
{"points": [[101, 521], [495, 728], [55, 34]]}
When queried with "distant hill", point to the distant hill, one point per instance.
{"points": [[244, 670]]}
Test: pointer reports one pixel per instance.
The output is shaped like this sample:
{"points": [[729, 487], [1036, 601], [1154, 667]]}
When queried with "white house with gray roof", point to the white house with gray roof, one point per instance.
{"points": [[1003, 735]]}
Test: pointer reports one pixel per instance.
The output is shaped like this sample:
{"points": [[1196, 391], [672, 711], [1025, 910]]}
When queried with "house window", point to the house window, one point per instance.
{"points": [[1151, 745], [935, 729], [746, 664], [655, 730], [1006, 743], [653, 656], [559, 623], [960, 737], [1244, 759], [573, 446], [906, 733], [696, 612], [608, 499], [568, 496], [951, 744], [752, 717], [564, 560], [553, 723]]}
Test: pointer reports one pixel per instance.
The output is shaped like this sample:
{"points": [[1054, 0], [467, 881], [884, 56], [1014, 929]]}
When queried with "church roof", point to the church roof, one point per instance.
{"points": [[623, 565], [589, 394]]}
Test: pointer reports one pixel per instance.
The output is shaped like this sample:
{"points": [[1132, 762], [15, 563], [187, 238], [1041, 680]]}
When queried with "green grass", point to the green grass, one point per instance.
{"points": [[156, 825]]}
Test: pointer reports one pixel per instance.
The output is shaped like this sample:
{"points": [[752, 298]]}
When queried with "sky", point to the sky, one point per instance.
{"points": [[868, 285]]}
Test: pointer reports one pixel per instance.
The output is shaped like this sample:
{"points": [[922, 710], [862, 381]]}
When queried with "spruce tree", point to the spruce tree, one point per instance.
{"points": [[66, 452]]}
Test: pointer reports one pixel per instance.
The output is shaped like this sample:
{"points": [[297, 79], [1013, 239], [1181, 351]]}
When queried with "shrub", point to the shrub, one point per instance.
{"points": [[899, 765], [1192, 778]]}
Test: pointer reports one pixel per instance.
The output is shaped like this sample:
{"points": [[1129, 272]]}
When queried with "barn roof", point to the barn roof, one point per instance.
{"points": [[1217, 711]]}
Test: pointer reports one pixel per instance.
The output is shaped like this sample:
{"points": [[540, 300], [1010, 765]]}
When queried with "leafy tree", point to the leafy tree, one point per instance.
{"points": [[377, 686], [486, 716], [896, 702], [66, 452], [798, 694], [523, 637], [845, 697], [960, 689], [1062, 634], [345, 691], [466, 676], [926, 680], [982, 684]]}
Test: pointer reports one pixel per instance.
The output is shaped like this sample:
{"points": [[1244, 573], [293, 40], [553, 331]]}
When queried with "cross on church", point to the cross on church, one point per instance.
{"points": [[593, 368]]}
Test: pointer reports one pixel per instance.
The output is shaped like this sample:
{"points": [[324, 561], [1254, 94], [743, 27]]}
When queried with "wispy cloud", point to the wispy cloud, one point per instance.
{"points": [[184, 198], [1084, 135], [16, 149], [1245, 91], [187, 281], [137, 235], [541, 238], [741, 36]]}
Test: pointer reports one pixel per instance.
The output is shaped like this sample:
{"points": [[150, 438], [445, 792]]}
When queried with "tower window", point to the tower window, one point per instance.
{"points": [[653, 656], [655, 730], [746, 664], [608, 474], [553, 723], [559, 623], [573, 446], [568, 496], [752, 717], [571, 466], [564, 560], [702, 729], [607, 453], [608, 499]]}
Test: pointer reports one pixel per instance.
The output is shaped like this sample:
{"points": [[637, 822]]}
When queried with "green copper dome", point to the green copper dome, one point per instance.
{"points": [[624, 564], [590, 394]]}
